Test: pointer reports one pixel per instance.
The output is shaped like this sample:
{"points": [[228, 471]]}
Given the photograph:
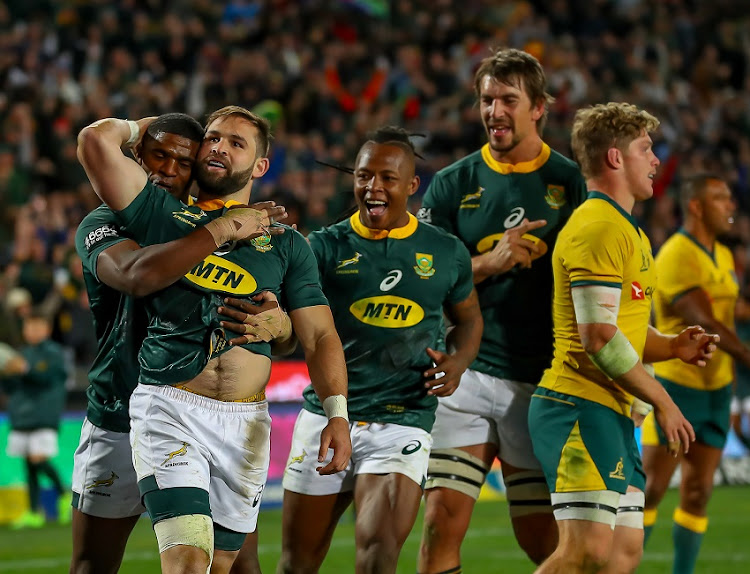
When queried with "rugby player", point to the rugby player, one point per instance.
{"points": [[580, 414], [697, 285], [506, 203], [199, 419]]}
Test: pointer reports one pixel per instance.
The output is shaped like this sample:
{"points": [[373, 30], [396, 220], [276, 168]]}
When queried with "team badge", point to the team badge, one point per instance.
{"points": [[645, 261], [424, 265], [262, 243], [476, 196], [182, 451], [298, 459], [618, 471], [555, 197], [107, 482], [351, 261]]}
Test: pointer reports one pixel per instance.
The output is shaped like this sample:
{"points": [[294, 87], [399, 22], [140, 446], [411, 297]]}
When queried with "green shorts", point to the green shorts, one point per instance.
{"points": [[583, 445], [707, 411]]}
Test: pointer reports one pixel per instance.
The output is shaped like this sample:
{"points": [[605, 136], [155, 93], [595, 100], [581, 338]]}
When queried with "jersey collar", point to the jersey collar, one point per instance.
{"points": [[711, 253], [398, 233], [521, 167], [214, 204], [617, 206]]}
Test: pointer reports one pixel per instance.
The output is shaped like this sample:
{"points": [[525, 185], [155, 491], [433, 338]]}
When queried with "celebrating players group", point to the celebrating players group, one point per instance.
{"points": [[509, 319]]}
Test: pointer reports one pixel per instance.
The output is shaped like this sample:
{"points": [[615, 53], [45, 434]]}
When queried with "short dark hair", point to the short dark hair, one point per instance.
{"points": [[694, 187], [393, 135], [511, 66], [178, 124], [263, 126]]}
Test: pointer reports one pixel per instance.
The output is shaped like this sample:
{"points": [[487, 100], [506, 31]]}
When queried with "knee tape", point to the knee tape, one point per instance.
{"points": [[455, 469], [195, 530], [527, 493], [630, 510]]}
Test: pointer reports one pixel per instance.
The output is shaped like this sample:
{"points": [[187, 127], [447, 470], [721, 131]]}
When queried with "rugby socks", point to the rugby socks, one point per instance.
{"points": [[32, 479], [649, 519], [687, 535], [49, 471]]}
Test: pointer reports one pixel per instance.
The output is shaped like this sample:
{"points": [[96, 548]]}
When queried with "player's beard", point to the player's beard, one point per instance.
{"points": [[503, 148], [221, 185]]}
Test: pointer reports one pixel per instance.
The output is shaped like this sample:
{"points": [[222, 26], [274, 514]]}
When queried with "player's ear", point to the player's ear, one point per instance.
{"points": [[261, 167], [414, 186], [614, 158]]}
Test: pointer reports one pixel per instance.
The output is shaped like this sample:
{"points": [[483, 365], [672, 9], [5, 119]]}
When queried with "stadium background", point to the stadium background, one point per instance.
{"points": [[325, 72]]}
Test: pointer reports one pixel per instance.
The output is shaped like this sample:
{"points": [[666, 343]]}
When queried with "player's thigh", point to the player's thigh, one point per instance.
{"points": [[104, 481], [659, 466], [512, 400], [99, 543], [387, 507], [585, 540], [308, 523], [247, 561]]}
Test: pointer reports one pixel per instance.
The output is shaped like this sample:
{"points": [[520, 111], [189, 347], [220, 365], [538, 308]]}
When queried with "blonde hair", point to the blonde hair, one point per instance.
{"points": [[263, 126], [598, 128]]}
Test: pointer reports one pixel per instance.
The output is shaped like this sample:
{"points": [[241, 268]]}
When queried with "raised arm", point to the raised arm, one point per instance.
{"points": [[317, 334], [116, 178]]}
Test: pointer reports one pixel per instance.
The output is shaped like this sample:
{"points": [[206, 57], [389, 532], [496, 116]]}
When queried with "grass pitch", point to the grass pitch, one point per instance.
{"points": [[488, 548]]}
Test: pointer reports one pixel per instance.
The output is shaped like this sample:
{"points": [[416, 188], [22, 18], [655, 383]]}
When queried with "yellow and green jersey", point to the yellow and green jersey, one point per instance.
{"points": [[683, 265], [387, 290], [478, 199], [184, 330], [600, 245]]}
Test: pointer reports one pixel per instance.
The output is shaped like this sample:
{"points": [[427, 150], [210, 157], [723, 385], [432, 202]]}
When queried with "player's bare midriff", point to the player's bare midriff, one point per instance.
{"points": [[236, 375]]}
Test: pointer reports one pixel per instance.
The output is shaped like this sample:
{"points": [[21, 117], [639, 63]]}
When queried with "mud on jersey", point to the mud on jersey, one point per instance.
{"points": [[387, 291]]}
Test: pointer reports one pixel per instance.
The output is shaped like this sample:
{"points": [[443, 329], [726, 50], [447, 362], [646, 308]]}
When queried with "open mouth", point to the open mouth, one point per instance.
{"points": [[216, 165], [499, 131], [376, 207]]}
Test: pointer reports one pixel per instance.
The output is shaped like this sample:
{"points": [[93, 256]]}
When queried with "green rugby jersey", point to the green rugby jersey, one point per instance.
{"points": [[478, 198], [183, 331], [120, 323], [387, 291]]}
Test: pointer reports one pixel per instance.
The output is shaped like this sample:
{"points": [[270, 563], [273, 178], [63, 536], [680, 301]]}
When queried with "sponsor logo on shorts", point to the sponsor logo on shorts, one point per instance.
{"points": [[218, 274], [424, 266], [298, 459], [99, 234], [258, 496], [182, 451], [617, 472], [105, 482], [347, 263], [387, 311], [412, 447]]}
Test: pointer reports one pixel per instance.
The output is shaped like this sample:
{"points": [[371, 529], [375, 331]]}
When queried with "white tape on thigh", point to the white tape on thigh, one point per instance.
{"points": [[595, 506], [596, 304], [195, 530], [527, 493], [630, 510]]}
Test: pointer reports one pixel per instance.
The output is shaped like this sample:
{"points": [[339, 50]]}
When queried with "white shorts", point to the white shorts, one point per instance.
{"points": [[487, 409], [39, 442], [104, 480], [377, 448], [181, 439], [740, 406]]}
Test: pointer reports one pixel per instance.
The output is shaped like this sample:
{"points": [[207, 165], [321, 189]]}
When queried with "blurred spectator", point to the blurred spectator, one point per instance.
{"points": [[36, 398]]}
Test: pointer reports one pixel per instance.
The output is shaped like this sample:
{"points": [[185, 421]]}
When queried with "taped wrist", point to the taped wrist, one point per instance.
{"points": [[135, 132], [273, 324], [617, 357], [237, 223], [335, 406], [640, 407]]}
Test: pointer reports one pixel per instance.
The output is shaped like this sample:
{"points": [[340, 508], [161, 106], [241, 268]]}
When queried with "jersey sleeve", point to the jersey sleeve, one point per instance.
{"points": [[595, 255], [678, 272], [301, 287], [320, 248], [438, 205], [98, 231], [465, 277], [143, 218]]}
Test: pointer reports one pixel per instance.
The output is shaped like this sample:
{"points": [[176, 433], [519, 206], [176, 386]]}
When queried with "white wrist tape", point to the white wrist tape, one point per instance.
{"points": [[641, 407], [237, 223], [335, 406], [135, 131], [596, 304], [617, 357]]}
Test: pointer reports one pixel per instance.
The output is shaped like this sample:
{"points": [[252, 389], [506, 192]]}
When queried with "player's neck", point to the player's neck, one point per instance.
{"points": [[616, 192], [700, 233], [527, 149]]}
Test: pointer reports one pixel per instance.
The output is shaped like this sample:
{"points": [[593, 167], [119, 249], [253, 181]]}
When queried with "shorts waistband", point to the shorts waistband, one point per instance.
{"points": [[194, 399], [256, 398]]}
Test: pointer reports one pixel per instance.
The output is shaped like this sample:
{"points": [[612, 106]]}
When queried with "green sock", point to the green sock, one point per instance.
{"points": [[649, 519], [687, 535]]}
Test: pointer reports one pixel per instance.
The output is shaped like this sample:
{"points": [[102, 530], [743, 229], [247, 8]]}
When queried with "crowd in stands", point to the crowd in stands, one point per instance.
{"points": [[326, 72]]}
